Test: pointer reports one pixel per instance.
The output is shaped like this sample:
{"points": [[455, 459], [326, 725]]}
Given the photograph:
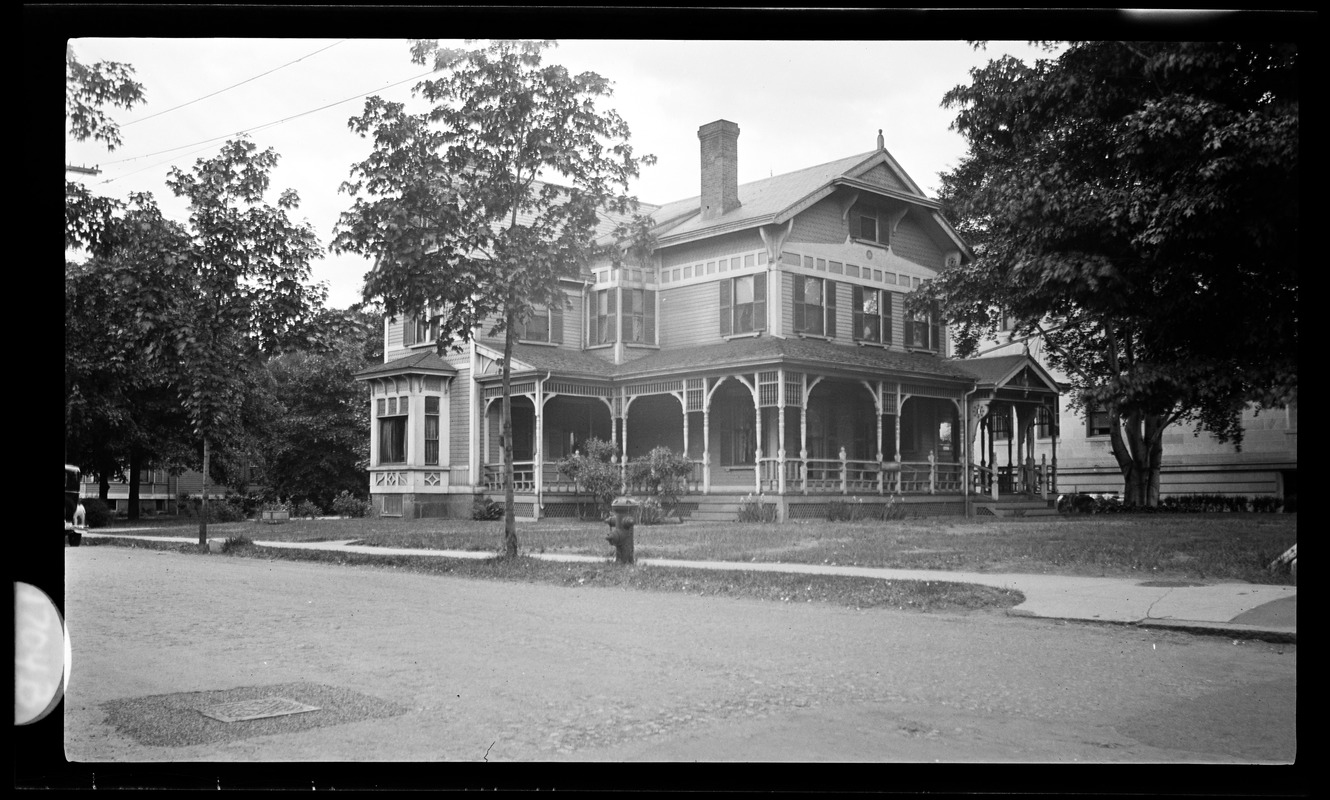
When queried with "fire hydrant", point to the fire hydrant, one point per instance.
{"points": [[621, 529]]}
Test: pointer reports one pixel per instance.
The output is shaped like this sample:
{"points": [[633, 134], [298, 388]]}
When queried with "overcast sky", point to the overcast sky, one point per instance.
{"points": [[797, 104]]}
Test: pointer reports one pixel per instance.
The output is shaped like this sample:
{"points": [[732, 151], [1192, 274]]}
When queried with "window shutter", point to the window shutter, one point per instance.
{"points": [[857, 316], [935, 333], [408, 330], [726, 307], [556, 322], [613, 315], [885, 308], [760, 301], [829, 294], [800, 313], [649, 315]]}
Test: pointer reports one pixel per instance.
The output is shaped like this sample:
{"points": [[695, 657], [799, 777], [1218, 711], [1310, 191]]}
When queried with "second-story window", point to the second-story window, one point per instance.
{"points": [[872, 315], [544, 325], [743, 304], [814, 306], [923, 329], [604, 322], [423, 329], [639, 323]]}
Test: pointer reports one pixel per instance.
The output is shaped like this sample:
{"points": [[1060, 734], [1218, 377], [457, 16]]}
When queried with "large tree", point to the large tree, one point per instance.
{"points": [[476, 208], [234, 295], [1135, 204]]}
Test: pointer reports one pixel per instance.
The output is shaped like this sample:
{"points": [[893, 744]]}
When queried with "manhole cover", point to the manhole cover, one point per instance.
{"points": [[255, 709]]}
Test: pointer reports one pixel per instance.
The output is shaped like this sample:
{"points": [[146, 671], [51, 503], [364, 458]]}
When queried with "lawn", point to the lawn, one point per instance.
{"points": [[1218, 547]]}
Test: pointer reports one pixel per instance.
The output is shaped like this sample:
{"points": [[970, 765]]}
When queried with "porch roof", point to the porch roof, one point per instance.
{"points": [[994, 372], [807, 354], [426, 362]]}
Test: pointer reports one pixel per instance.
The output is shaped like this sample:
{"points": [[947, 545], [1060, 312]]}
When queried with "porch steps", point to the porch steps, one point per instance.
{"points": [[712, 508], [1016, 507]]}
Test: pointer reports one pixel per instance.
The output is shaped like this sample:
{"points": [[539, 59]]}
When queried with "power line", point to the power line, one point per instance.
{"points": [[208, 143], [234, 85]]}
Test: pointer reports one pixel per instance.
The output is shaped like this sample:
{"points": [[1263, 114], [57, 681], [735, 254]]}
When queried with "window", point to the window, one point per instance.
{"points": [[1098, 422], [423, 329], [814, 306], [1044, 426], [432, 431], [604, 322], [639, 316], [872, 315], [743, 304], [544, 325], [923, 329], [391, 412], [870, 224], [1000, 424]]}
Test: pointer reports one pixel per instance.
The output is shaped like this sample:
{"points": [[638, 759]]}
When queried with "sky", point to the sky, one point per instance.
{"points": [[797, 104]]}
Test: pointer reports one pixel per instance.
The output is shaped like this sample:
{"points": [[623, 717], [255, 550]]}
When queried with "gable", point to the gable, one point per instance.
{"points": [[882, 176]]}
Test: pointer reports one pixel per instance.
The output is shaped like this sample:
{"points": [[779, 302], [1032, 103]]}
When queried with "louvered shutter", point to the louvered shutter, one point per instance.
{"points": [[649, 316], [935, 332], [800, 297], [885, 304], [556, 323], [726, 307], [829, 297], [760, 301]]}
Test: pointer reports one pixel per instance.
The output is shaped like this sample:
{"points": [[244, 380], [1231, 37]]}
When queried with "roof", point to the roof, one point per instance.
{"points": [[423, 362], [744, 352], [995, 371]]}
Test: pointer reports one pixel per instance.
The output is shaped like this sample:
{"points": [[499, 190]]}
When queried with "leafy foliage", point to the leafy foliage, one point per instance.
{"points": [[753, 509], [454, 205], [1136, 205], [346, 504], [662, 476], [485, 509], [595, 473]]}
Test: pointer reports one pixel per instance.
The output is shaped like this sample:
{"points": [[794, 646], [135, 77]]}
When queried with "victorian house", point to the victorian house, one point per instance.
{"points": [[766, 338]]}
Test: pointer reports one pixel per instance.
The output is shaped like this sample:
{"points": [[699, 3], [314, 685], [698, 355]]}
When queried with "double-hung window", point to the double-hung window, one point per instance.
{"points": [[743, 304], [814, 306], [639, 307], [604, 322], [422, 329], [870, 224], [544, 325], [432, 430], [872, 315], [923, 329], [1098, 422], [392, 414]]}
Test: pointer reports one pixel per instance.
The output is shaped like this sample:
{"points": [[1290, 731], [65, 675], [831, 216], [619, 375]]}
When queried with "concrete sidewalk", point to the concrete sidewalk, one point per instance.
{"points": [[1239, 610]]}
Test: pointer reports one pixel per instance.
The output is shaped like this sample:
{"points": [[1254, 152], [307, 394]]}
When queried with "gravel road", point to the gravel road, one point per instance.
{"points": [[410, 667]]}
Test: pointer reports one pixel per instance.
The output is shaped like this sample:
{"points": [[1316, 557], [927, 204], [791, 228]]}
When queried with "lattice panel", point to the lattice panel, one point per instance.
{"points": [[924, 390], [696, 394], [768, 388], [655, 387], [578, 389], [794, 388]]}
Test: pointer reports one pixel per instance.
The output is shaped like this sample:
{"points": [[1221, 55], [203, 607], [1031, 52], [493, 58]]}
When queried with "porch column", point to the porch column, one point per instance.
{"points": [[974, 426], [780, 452], [900, 412], [757, 436], [706, 447], [1055, 422], [623, 457], [485, 445]]}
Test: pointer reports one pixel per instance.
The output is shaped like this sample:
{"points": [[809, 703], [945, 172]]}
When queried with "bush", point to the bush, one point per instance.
{"points": [[893, 510], [752, 509], [594, 473], [228, 510], [308, 509], [97, 513], [484, 509], [234, 543], [649, 512], [661, 475], [346, 504]]}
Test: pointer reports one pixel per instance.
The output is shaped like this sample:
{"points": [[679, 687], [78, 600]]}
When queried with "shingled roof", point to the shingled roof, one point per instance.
{"points": [[425, 362]]}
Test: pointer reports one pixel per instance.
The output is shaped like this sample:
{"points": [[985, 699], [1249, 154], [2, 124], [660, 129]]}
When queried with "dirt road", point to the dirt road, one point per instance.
{"points": [[416, 668]]}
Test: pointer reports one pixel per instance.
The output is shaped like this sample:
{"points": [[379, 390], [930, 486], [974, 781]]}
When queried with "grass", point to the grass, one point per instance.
{"points": [[1219, 547]]}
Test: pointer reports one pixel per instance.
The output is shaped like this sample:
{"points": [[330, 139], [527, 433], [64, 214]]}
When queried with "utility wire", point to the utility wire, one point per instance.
{"points": [[232, 86], [208, 143]]}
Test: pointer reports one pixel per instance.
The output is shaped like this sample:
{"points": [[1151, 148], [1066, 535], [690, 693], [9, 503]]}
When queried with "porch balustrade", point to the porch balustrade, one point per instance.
{"points": [[1031, 479]]}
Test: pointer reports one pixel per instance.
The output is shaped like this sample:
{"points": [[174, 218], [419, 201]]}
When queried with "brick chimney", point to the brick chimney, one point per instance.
{"points": [[720, 167]]}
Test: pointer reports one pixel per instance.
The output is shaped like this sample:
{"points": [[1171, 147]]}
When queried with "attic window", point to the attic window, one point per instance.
{"points": [[870, 224]]}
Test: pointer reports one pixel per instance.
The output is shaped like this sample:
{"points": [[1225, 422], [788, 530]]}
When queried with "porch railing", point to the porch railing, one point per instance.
{"points": [[551, 480], [853, 476], [1031, 478]]}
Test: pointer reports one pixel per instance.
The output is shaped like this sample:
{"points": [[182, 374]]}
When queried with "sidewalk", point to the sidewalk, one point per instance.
{"points": [[1237, 610]]}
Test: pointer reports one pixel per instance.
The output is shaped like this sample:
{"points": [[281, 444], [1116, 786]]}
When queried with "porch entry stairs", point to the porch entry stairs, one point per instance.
{"points": [[1015, 506]]}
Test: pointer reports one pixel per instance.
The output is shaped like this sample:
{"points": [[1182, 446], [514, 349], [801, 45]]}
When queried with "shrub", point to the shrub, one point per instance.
{"points": [[228, 510], [594, 473], [308, 509], [893, 510], [840, 511], [97, 513], [346, 504], [752, 509], [661, 475], [234, 543], [485, 509], [649, 512]]}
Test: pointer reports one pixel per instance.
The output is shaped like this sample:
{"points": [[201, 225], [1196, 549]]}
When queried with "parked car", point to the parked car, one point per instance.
{"points": [[75, 516]]}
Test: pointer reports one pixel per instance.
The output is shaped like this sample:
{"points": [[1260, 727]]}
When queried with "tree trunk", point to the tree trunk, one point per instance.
{"points": [[1154, 430], [135, 468], [506, 433], [203, 506], [1138, 447]]}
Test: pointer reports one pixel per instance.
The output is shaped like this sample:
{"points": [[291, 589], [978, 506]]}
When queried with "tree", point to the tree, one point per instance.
{"points": [[232, 295], [88, 91], [318, 441], [1136, 206], [457, 213]]}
